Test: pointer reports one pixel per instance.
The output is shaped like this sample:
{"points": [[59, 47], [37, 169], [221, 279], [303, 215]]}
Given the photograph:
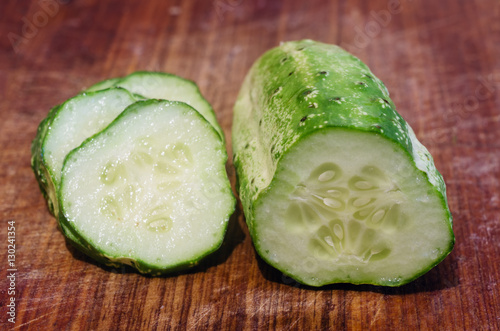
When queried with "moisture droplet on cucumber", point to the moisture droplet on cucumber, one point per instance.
{"points": [[150, 190], [159, 85], [335, 186]]}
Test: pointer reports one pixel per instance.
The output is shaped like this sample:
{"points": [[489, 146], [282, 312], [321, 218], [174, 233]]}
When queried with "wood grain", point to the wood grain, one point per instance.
{"points": [[439, 60]]}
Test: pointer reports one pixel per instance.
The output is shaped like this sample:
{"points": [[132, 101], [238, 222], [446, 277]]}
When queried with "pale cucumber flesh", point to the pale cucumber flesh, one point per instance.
{"points": [[150, 190], [350, 206]]}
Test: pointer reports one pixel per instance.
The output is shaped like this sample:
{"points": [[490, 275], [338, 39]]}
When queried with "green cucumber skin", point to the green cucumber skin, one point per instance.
{"points": [[288, 95], [80, 243]]}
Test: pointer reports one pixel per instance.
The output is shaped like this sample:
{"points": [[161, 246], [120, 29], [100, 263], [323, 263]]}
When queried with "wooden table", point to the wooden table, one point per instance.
{"points": [[439, 59]]}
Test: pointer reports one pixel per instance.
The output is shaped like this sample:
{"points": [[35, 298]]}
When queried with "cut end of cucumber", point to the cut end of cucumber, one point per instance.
{"points": [[350, 206], [151, 190]]}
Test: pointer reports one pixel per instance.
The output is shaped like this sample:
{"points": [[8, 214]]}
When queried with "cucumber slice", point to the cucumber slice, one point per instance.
{"points": [[159, 85], [66, 127], [150, 190], [335, 186]]}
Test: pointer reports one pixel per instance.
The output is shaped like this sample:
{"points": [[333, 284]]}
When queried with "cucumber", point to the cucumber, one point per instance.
{"points": [[65, 128], [335, 186], [159, 85], [150, 190]]}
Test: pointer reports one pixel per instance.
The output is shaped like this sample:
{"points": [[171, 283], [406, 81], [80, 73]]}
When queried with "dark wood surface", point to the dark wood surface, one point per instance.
{"points": [[439, 60]]}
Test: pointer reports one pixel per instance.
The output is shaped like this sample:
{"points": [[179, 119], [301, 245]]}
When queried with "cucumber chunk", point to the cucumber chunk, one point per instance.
{"points": [[66, 127], [159, 85], [335, 186], [150, 190]]}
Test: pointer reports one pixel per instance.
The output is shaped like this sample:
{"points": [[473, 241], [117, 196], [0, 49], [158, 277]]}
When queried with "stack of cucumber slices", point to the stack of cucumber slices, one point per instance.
{"points": [[334, 184], [134, 171]]}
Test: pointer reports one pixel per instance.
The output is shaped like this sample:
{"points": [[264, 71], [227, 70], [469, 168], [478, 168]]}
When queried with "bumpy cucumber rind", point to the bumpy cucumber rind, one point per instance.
{"points": [[288, 95], [86, 247]]}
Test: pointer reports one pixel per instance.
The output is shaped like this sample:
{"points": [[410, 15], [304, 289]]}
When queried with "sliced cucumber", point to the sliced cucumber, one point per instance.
{"points": [[334, 184], [159, 85], [66, 127], [150, 190]]}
